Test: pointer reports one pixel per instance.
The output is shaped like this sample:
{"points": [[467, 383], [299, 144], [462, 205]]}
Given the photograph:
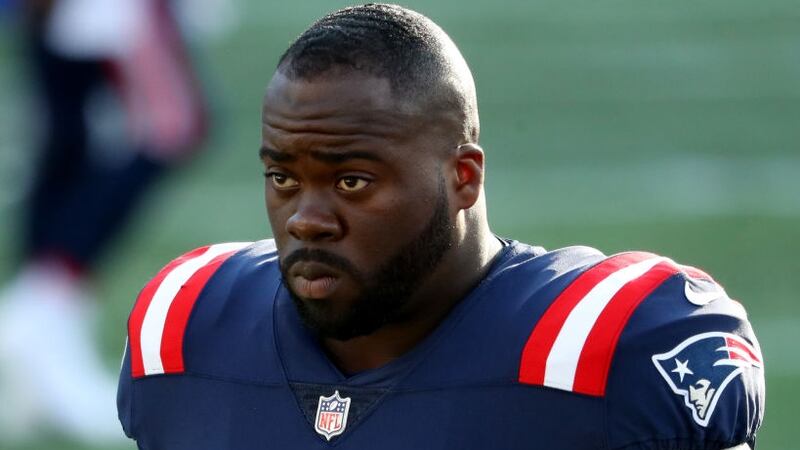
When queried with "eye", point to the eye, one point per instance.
{"points": [[352, 183], [281, 181]]}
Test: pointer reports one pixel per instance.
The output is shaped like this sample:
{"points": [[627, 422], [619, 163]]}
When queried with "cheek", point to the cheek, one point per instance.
{"points": [[380, 229], [277, 214]]}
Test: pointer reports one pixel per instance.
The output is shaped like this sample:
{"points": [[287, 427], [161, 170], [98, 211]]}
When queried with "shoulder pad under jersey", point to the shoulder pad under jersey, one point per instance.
{"points": [[159, 318], [166, 313], [673, 355]]}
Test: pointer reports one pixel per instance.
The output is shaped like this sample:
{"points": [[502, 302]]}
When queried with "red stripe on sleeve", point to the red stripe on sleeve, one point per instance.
{"points": [[736, 344], [179, 312], [136, 318], [598, 351], [540, 342]]}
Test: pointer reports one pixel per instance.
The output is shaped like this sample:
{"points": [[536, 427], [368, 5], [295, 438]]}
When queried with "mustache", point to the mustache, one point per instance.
{"points": [[320, 256]]}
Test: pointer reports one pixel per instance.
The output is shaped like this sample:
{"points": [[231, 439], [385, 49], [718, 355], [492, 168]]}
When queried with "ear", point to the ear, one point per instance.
{"points": [[469, 175]]}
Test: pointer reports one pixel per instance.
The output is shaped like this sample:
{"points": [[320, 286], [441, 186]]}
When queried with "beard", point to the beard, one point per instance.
{"points": [[386, 291]]}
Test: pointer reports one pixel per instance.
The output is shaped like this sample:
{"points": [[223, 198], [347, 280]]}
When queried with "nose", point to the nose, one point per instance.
{"points": [[314, 220]]}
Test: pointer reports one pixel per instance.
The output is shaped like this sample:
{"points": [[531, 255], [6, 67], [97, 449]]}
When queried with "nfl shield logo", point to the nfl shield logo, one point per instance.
{"points": [[332, 415]]}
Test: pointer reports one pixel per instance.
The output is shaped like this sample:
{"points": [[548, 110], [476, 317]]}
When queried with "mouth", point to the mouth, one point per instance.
{"points": [[313, 280]]}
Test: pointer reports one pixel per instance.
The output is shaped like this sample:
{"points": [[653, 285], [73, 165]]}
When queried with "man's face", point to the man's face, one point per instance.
{"points": [[356, 197]]}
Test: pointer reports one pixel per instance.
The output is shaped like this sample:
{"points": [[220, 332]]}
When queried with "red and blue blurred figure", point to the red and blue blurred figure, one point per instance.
{"points": [[119, 104]]}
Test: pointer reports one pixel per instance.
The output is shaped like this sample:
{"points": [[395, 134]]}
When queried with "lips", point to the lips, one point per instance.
{"points": [[313, 280]]}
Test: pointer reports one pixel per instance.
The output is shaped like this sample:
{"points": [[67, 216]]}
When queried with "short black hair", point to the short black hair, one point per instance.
{"points": [[382, 40], [388, 41]]}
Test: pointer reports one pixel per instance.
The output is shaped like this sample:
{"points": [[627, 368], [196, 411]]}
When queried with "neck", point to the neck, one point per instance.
{"points": [[460, 271]]}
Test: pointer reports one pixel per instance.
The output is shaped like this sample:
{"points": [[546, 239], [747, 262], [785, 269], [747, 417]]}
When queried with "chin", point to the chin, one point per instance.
{"points": [[321, 318]]}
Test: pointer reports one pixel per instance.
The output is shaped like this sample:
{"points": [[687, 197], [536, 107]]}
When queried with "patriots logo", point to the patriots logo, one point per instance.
{"points": [[701, 367]]}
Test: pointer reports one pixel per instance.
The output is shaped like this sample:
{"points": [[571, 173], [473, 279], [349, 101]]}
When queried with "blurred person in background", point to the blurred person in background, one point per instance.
{"points": [[120, 104]]}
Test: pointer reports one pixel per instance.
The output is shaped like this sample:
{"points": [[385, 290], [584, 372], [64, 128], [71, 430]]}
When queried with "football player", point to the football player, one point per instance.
{"points": [[386, 314]]}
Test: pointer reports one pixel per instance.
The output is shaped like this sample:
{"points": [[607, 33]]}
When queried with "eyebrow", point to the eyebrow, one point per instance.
{"points": [[275, 155], [327, 157]]}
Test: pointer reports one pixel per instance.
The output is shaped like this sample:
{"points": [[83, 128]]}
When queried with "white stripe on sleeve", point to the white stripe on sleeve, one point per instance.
{"points": [[562, 361], [156, 315]]}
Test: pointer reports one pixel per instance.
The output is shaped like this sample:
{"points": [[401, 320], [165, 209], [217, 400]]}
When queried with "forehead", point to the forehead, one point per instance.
{"points": [[333, 91], [342, 104]]}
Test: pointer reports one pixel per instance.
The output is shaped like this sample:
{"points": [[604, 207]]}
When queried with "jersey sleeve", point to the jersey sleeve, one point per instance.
{"points": [[125, 394], [159, 318], [687, 372]]}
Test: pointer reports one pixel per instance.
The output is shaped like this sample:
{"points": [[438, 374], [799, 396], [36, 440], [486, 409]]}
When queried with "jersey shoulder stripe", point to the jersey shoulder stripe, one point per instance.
{"points": [[158, 321], [572, 345]]}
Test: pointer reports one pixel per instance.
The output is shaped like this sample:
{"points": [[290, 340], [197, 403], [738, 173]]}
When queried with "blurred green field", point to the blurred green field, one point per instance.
{"points": [[667, 126]]}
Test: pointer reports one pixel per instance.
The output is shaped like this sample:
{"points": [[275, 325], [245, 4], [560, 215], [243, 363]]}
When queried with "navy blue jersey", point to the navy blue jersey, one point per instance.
{"points": [[568, 349]]}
